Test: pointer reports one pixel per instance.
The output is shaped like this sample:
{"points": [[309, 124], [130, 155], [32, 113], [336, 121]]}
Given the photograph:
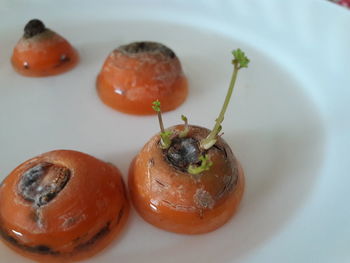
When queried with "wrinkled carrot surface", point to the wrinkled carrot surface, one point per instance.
{"points": [[131, 82], [180, 202], [88, 213]]}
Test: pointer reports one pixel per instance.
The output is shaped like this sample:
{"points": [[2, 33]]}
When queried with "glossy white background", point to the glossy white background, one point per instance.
{"points": [[287, 121]]}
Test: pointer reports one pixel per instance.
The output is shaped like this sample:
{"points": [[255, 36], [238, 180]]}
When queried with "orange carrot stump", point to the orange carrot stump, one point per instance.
{"points": [[62, 206], [136, 74], [41, 52], [186, 178]]}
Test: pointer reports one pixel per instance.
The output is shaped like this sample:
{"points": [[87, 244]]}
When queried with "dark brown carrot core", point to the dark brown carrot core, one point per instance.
{"points": [[147, 47], [42, 183], [183, 152], [33, 27]]}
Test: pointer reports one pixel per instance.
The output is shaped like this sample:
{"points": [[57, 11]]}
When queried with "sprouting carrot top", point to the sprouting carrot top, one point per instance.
{"points": [[42, 52], [167, 196], [136, 74], [186, 178]]}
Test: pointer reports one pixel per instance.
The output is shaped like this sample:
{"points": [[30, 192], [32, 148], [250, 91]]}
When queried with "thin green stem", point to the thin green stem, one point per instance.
{"points": [[186, 128], [210, 140], [164, 135], [160, 122]]}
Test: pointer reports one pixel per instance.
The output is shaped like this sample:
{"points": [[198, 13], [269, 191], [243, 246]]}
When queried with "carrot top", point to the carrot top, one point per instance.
{"points": [[239, 61]]}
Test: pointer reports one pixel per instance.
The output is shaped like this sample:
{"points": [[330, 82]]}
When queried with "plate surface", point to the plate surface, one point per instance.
{"points": [[287, 122]]}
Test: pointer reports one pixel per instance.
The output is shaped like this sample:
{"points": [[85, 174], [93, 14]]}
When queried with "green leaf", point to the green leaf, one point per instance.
{"points": [[240, 58], [205, 165], [156, 105]]}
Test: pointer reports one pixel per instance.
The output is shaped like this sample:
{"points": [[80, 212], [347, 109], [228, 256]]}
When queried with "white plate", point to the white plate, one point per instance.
{"points": [[287, 121]]}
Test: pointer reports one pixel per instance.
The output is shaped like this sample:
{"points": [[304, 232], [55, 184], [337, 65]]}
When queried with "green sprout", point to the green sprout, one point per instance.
{"points": [[205, 165], [156, 106], [186, 129], [164, 135], [239, 61], [165, 139]]}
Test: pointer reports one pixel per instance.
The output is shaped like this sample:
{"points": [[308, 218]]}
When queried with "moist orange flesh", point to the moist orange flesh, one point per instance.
{"points": [[130, 82], [45, 54]]}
